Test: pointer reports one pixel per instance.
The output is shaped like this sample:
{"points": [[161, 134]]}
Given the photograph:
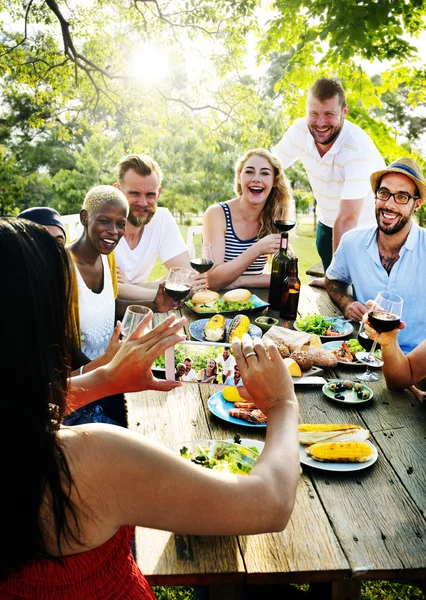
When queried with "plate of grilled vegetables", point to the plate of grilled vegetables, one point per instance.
{"points": [[336, 447], [221, 329]]}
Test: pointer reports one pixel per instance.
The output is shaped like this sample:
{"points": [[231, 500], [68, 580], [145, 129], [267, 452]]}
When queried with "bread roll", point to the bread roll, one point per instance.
{"points": [[322, 357], [204, 297], [238, 295]]}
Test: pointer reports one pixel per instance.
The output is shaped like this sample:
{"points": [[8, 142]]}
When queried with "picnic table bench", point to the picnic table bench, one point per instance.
{"points": [[345, 528]]}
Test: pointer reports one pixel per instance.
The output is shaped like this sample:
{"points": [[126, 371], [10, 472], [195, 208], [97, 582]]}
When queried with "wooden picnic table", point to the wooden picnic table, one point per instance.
{"points": [[345, 527]]}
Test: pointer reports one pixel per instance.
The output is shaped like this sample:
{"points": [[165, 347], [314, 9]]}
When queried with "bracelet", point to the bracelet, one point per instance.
{"points": [[81, 369]]}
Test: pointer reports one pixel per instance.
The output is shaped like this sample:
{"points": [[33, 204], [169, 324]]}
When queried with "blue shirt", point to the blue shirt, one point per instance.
{"points": [[231, 381], [357, 262]]}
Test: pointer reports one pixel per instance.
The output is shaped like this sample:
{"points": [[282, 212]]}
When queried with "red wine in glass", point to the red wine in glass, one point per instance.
{"points": [[282, 225], [178, 291], [383, 321], [366, 342], [201, 265]]}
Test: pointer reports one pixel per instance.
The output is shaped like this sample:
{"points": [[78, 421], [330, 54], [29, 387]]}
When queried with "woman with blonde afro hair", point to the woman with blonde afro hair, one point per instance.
{"points": [[241, 230]]}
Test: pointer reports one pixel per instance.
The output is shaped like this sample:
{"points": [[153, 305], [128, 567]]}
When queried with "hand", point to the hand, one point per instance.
{"points": [[384, 339], [355, 311], [265, 375], [163, 302], [270, 244], [113, 345], [121, 278], [198, 282], [130, 369]]}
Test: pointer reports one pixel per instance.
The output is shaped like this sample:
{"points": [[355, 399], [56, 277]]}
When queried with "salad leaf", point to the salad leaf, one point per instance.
{"points": [[313, 324], [221, 457], [220, 306]]}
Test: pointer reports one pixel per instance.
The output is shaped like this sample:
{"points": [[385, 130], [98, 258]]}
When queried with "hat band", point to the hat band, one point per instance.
{"points": [[405, 168]]}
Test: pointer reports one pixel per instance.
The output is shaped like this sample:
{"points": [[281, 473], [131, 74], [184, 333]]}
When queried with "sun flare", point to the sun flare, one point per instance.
{"points": [[149, 63]]}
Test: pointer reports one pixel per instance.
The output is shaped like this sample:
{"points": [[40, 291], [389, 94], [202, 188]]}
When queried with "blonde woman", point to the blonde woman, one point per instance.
{"points": [[241, 230]]}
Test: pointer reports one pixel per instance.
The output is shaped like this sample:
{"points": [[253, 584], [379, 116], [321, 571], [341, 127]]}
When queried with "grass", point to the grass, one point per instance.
{"points": [[370, 590], [303, 244]]}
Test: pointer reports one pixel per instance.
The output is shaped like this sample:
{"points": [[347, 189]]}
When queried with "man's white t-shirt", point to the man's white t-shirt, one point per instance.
{"points": [[161, 238], [228, 364], [343, 173], [190, 376]]}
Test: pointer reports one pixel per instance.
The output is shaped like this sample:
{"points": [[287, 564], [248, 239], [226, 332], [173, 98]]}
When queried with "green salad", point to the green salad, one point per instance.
{"points": [[313, 324], [220, 306], [222, 456], [355, 346]]}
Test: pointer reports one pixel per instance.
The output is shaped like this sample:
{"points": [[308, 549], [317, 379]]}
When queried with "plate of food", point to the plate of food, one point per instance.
{"points": [[255, 446], [220, 455], [346, 352], [347, 391], [217, 329], [325, 327], [237, 413], [209, 302], [336, 447]]}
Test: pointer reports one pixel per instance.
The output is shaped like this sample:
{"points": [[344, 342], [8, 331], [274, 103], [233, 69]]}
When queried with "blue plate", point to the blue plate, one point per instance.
{"points": [[342, 327], [258, 304], [220, 408], [196, 329]]}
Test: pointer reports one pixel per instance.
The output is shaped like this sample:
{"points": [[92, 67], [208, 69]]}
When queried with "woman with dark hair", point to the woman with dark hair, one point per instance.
{"points": [[209, 374], [73, 495], [241, 231]]}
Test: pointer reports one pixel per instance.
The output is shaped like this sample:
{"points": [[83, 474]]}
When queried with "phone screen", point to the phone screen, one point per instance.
{"points": [[202, 362]]}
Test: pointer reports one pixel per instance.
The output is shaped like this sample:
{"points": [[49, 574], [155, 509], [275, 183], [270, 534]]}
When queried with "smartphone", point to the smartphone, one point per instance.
{"points": [[202, 362]]}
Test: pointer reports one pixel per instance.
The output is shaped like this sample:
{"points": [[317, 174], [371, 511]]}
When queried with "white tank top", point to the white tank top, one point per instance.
{"points": [[97, 314]]}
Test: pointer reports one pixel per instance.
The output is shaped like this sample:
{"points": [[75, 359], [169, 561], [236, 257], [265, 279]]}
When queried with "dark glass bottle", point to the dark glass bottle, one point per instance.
{"points": [[279, 271], [290, 293]]}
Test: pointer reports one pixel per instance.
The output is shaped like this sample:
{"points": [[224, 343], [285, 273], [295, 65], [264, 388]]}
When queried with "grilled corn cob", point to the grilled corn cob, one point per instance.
{"points": [[311, 434], [340, 451], [240, 325], [215, 329]]}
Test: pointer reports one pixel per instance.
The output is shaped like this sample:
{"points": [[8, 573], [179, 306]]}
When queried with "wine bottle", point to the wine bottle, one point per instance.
{"points": [[290, 292], [279, 271]]}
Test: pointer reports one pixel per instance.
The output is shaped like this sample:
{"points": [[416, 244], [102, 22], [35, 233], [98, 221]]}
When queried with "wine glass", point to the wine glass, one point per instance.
{"points": [[283, 225], [384, 316], [178, 283], [201, 258], [132, 317]]}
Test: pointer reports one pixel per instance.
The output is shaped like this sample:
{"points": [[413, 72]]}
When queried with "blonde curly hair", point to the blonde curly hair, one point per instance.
{"points": [[103, 194], [280, 192]]}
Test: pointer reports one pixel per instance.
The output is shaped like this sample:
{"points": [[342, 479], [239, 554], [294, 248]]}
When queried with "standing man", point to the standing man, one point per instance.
{"points": [[228, 363], [390, 256], [338, 157], [151, 232]]}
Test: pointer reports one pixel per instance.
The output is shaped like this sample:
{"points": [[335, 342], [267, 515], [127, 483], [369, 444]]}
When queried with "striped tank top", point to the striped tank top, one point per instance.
{"points": [[234, 246]]}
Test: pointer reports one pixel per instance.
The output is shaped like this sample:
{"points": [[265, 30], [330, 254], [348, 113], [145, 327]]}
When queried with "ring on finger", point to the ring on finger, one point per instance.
{"points": [[250, 354]]}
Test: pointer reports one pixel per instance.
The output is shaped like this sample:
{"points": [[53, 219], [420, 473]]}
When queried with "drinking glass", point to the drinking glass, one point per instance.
{"points": [[178, 283], [384, 316], [132, 317], [201, 258]]}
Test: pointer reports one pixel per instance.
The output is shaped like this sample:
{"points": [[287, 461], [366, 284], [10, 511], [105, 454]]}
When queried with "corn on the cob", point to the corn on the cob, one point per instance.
{"points": [[340, 451], [314, 433], [240, 325], [326, 427], [215, 329]]}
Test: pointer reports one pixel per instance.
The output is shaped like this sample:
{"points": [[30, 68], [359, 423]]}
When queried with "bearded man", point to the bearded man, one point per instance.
{"points": [[151, 232], [390, 256], [338, 157]]}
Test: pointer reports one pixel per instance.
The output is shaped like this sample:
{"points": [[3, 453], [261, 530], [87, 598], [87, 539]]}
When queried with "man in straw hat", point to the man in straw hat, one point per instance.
{"points": [[391, 256]]}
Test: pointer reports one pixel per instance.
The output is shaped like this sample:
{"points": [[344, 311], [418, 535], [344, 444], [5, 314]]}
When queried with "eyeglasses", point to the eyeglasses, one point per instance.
{"points": [[399, 197]]}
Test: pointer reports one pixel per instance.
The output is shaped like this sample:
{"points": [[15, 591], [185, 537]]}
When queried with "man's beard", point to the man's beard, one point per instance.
{"points": [[334, 134], [139, 220], [393, 228]]}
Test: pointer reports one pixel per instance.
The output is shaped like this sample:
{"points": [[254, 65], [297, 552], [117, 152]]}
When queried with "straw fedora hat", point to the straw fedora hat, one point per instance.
{"points": [[407, 167]]}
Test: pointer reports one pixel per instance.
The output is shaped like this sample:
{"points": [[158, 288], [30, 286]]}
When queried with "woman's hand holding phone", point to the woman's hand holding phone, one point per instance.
{"points": [[264, 373]]}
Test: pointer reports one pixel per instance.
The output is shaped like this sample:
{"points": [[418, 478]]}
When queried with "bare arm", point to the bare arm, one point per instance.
{"points": [[130, 368], [138, 481], [339, 293], [400, 370], [226, 274], [347, 218]]}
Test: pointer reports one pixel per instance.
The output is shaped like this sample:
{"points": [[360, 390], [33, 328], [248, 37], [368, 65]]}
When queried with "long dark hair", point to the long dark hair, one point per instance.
{"points": [[34, 272]]}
